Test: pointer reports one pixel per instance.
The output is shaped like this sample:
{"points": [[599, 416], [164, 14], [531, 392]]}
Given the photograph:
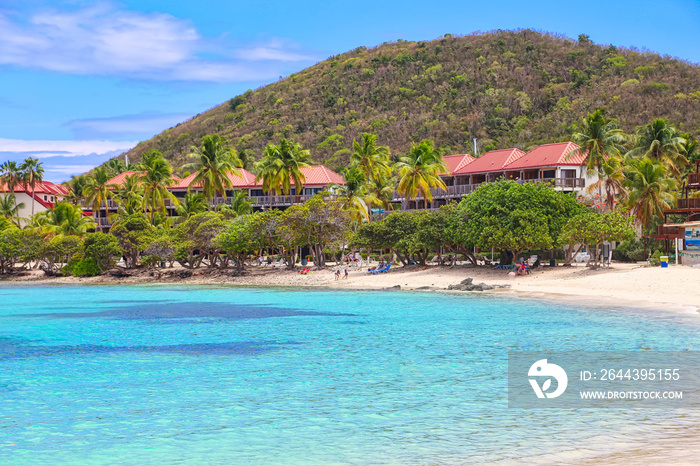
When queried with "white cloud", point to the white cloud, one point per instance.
{"points": [[104, 40], [47, 149], [142, 125]]}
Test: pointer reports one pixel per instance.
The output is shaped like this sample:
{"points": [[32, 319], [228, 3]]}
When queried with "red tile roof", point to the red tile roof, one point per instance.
{"points": [[455, 162], [121, 178], [548, 155], [245, 180], [45, 187], [319, 175], [491, 161], [316, 175]]}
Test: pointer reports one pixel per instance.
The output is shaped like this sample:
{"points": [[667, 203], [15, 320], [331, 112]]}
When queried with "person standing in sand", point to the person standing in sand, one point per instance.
{"points": [[346, 273]]}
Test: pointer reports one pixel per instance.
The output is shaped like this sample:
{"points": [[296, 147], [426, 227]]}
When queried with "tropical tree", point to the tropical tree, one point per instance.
{"points": [[610, 182], [115, 167], [599, 138], [281, 164], [32, 173], [97, 192], [239, 205], [373, 160], [650, 190], [354, 196], [10, 175], [192, 204], [155, 179], [419, 170], [75, 188], [9, 208], [382, 190], [66, 219], [691, 148], [214, 164], [660, 142]]}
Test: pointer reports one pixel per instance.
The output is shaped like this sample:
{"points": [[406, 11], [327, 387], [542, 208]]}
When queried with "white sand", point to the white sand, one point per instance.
{"points": [[675, 287]]}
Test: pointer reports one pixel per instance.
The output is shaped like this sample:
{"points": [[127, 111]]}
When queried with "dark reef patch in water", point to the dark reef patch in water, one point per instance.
{"points": [[205, 349], [190, 310]]}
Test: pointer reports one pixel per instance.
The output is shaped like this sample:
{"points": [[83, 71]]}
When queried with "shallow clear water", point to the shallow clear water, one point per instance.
{"points": [[197, 375]]}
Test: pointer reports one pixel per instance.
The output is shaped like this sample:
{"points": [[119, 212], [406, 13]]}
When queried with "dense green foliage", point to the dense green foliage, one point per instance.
{"points": [[507, 88]]}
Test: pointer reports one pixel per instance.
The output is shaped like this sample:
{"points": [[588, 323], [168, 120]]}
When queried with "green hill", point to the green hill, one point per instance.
{"points": [[506, 88]]}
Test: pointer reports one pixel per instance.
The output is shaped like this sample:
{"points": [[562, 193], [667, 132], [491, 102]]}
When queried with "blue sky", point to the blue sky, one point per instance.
{"points": [[84, 81]]}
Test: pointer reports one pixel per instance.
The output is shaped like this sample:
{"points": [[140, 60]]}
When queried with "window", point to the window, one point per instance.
{"points": [[256, 192], [45, 197]]}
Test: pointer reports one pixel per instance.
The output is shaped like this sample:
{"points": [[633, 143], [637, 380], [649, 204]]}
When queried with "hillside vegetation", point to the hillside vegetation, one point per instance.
{"points": [[506, 88]]}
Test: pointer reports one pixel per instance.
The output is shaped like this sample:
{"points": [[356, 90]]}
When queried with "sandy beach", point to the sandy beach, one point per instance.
{"points": [[674, 288]]}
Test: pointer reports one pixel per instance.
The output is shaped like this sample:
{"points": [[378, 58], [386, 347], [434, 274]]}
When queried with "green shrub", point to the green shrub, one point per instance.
{"points": [[82, 268], [629, 251]]}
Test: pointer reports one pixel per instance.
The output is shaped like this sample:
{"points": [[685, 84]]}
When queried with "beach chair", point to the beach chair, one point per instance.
{"points": [[385, 269], [305, 271]]}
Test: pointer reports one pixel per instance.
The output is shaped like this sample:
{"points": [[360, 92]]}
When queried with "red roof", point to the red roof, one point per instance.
{"points": [[318, 175], [45, 187], [491, 161], [245, 180], [121, 178], [315, 175], [548, 155], [455, 162]]}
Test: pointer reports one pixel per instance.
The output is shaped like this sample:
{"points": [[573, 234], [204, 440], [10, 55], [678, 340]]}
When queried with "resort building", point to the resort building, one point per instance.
{"points": [[46, 194], [317, 178], [685, 235], [548, 163]]}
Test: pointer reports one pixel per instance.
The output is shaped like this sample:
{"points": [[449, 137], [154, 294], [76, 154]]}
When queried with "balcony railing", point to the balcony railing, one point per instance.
{"points": [[694, 180], [663, 230], [689, 203], [464, 189], [267, 201]]}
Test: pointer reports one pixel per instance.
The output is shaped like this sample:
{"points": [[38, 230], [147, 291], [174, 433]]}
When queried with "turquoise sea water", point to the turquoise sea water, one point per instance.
{"points": [[213, 375]]}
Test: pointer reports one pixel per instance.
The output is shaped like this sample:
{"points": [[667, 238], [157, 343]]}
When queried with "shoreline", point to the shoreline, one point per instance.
{"points": [[622, 286]]}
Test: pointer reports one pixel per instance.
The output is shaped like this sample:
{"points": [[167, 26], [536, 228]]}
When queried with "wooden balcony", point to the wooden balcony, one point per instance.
{"points": [[689, 203], [461, 190], [267, 201], [694, 181], [670, 231]]}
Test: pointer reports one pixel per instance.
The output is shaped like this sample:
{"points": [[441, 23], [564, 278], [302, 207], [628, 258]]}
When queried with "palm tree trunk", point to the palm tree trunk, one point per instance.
{"points": [[33, 199]]}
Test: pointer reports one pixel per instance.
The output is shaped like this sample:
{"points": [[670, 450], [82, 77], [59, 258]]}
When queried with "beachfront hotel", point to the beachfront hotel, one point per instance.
{"points": [[548, 163], [44, 196]]}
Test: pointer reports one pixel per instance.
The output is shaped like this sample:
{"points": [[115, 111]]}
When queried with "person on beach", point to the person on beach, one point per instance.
{"points": [[337, 275], [346, 273]]}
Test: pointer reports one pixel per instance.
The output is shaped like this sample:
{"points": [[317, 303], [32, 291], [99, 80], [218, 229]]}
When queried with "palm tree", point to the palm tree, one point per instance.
{"points": [[419, 170], [67, 220], [373, 160], [281, 165], [382, 190], [9, 208], [75, 188], [192, 204], [239, 205], [157, 176], [97, 191], [599, 138], [690, 149], [354, 195], [11, 175], [611, 181], [32, 172], [214, 163], [660, 141], [115, 167], [650, 190]]}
